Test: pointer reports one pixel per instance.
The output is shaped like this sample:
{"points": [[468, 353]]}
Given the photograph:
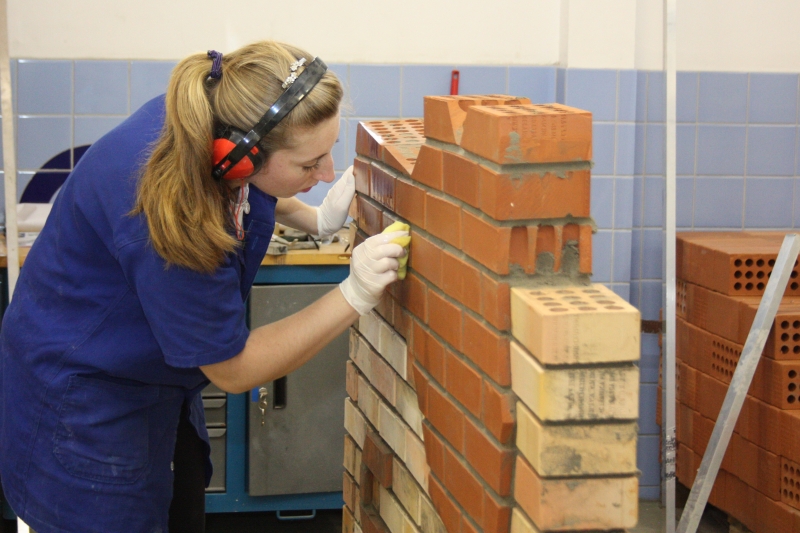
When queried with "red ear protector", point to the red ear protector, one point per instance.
{"points": [[236, 155]]}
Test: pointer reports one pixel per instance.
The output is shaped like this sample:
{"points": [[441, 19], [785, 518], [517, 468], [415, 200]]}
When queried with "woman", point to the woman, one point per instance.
{"points": [[132, 297]]}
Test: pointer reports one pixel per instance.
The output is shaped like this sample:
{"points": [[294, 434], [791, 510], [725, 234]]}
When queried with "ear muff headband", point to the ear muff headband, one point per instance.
{"points": [[282, 106]]}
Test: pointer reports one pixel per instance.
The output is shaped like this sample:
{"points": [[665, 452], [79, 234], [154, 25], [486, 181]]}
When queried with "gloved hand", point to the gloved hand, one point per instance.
{"points": [[333, 211], [373, 266]]}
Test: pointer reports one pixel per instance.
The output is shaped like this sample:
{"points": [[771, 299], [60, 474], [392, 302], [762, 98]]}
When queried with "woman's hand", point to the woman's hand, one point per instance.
{"points": [[333, 211], [373, 266]]}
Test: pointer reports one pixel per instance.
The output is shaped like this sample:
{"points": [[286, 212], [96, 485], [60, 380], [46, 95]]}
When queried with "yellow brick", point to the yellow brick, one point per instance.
{"points": [[520, 523], [429, 518], [348, 521], [406, 489], [576, 449], [408, 405], [580, 393], [357, 463], [360, 354], [382, 376], [390, 511], [416, 461], [575, 325], [350, 455], [368, 401], [393, 348], [408, 525], [369, 326], [393, 430], [354, 422], [349, 491]]}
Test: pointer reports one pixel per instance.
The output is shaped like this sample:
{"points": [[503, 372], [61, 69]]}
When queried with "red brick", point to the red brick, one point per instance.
{"points": [[362, 171], [497, 515], [394, 142], [378, 457], [368, 142], [527, 195], [462, 282], [487, 244], [467, 527], [352, 380], [461, 178], [370, 217], [463, 485], [446, 417], [528, 133], [429, 353], [497, 413], [445, 115], [366, 481], [428, 168], [434, 451], [487, 349], [426, 259], [443, 220], [445, 506], [444, 318], [409, 202], [464, 383], [412, 293], [585, 249], [523, 251], [493, 462], [371, 522], [382, 187], [496, 302]]}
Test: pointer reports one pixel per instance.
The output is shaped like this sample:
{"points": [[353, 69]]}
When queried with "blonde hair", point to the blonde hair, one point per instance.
{"points": [[187, 210]]}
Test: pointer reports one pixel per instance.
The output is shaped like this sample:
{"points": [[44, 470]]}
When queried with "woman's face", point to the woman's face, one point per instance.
{"points": [[293, 170]]}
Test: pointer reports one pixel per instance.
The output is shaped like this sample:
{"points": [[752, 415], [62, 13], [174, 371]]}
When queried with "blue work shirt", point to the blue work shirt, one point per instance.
{"points": [[101, 346]]}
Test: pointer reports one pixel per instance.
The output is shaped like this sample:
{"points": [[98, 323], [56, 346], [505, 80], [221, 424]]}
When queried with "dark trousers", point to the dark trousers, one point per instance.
{"points": [[187, 512]]}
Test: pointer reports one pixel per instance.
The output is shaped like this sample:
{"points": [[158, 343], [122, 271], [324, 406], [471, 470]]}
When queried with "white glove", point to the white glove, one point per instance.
{"points": [[333, 211], [373, 266]]}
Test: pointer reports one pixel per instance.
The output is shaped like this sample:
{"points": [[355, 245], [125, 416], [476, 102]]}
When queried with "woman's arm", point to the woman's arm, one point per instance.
{"points": [[296, 214], [275, 349]]}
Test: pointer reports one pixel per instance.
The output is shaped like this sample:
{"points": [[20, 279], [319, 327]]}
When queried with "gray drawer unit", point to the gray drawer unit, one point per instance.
{"points": [[217, 437], [212, 391], [297, 446], [215, 409]]}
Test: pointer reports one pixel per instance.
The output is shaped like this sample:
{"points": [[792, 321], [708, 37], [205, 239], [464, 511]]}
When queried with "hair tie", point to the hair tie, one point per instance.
{"points": [[216, 65]]}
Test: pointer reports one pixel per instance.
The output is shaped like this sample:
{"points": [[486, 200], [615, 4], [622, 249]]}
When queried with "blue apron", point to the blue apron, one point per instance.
{"points": [[101, 346]]}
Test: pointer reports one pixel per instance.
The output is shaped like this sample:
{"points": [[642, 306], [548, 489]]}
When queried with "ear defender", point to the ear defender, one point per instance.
{"points": [[236, 154], [224, 143]]}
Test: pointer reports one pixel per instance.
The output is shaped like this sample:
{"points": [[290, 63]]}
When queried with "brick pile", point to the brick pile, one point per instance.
{"points": [[721, 278], [494, 389]]}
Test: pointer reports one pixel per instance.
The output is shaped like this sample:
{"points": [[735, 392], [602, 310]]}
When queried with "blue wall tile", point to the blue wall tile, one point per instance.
{"points": [[342, 71], [656, 96], [651, 354], [537, 83], [641, 145], [647, 409], [41, 138], [623, 202], [641, 96], [622, 256], [720, 150], [89, 129], [603, 137], [647, 459], [723, 97], [601, 256], [375, 90], [44, 87], [636, 291], [482, 80], [636, 257], [685, 141], [770, 150], [684, 200], [773, 98], [653, 214], [651, 298], [101, 87], [593, 90], [561, 85], [626, 99], [652, 253], [768, 202], [638, 201], [148, 80], [718, 202], [602, 201], [626, 149], [655, 156], [420, 81], [686, 96], [650, 493], [623, 290]]}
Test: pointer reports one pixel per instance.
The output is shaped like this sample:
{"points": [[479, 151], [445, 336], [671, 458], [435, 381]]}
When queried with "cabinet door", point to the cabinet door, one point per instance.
{"points": [[297, 445]]}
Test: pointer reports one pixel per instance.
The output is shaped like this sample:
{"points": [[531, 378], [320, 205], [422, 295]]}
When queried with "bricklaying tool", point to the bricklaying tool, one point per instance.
{"points": [[402, 241]]}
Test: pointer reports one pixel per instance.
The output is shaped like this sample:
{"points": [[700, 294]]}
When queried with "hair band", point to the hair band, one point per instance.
{"points": [[216, 65]]}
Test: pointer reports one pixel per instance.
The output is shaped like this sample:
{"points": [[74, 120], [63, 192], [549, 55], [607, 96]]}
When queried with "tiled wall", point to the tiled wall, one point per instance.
{"points": [[737, 142]]}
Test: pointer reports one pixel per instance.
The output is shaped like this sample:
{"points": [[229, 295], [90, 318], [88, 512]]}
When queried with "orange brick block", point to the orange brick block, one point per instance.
{"points": [[445, 115], [463, 383], [443, 219], [496, 302], [370, 217], [410, 202], [378, 457], [513, 134], [445, 318], [463, 485], [461, 178], [382, 185], [393, 142], [362, 172], [425, 258], [487, 244], [493, 462], [445, 506], [462, 282], [428, 168], [487, 349], [446, 417], [497, 414]]}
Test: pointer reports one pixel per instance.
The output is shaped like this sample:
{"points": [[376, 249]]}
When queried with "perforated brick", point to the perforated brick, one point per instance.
{"points": [[445, 115], [790, 483], [393, 142]]}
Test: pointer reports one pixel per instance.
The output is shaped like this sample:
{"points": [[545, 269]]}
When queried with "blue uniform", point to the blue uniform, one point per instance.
{"points": [[101, 346]]}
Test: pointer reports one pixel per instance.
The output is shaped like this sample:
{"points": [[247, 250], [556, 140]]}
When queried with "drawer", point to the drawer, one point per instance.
{"points": [[215, 411], [218, 439], [212, 391]]}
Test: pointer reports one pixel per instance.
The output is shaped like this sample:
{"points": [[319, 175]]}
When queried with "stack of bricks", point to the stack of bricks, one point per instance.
{"points": [[494, 389], [721, 277]]}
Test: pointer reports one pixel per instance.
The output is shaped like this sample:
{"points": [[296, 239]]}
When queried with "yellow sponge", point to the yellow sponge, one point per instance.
{"points": [[402, 241]]}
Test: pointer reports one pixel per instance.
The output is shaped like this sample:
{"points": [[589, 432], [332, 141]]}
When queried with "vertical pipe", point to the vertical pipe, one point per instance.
{"points": [[9, 153], [668, 369]]}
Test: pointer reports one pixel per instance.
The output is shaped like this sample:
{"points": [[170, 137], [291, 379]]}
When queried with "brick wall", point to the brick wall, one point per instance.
{"points": [[494, 389]]}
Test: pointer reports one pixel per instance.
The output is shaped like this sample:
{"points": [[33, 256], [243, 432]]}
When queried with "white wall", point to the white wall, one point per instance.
{"points": [[726, 35]]}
